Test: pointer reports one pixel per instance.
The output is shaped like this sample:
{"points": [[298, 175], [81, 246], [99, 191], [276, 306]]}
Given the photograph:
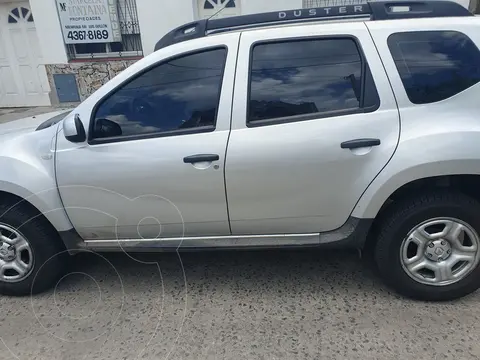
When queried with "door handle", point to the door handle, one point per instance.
{"points": [[359, 143], [192, 159]]}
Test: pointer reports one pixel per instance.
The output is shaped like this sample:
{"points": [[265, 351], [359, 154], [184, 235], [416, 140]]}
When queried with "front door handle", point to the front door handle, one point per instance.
{"points": [[359, 143], [192, 159]]}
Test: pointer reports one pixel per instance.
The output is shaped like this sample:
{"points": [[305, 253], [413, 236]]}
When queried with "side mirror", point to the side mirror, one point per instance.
{"points": [[73, 129], [105, 128]]}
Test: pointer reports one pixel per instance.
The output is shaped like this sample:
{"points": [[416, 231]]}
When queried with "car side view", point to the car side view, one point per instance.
{"points": [[353, 126]]}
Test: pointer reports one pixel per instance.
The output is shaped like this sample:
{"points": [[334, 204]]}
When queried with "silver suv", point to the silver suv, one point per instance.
{"points": [[354, 126]]}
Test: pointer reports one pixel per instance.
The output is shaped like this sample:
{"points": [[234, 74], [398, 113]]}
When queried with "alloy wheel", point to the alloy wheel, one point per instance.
{"points": [[16, 256], [440, 251]]}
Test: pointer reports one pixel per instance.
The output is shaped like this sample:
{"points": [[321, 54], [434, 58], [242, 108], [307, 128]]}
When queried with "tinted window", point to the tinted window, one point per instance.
{"points": [[435, 65], [304, 77], [178, 95]]}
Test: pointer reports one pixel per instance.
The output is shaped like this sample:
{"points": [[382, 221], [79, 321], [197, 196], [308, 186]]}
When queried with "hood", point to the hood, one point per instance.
{"points": [[32, 122]]}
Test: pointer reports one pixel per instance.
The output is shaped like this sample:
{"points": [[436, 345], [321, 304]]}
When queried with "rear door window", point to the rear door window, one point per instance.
{"points": [[435, 65], [301, 79]]}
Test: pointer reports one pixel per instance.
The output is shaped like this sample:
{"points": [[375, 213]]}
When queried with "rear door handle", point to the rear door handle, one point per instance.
{"points": [[200, 157], [359, 143]]}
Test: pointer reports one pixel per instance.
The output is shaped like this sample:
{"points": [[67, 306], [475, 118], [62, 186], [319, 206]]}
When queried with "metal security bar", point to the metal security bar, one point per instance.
{"points": [[309, 4], [131, 44]]}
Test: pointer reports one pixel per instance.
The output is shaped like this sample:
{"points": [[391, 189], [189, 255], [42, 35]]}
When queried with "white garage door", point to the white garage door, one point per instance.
{"points": [[23, 80]]}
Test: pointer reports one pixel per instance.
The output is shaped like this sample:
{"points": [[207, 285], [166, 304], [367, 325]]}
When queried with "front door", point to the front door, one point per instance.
{"points": [[23, 79], [313, 124], [153, 165]]}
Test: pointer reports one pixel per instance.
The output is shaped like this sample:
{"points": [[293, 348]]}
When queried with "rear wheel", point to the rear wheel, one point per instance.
{"points": [[429, 247], [29, 246]]}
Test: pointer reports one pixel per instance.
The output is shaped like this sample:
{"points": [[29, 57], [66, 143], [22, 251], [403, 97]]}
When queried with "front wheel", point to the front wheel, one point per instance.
{"points": [[32, 256], [429, 247]]}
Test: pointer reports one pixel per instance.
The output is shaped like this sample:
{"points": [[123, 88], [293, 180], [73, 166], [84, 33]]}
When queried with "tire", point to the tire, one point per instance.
{"points": [[45, 247], [394, 230]]}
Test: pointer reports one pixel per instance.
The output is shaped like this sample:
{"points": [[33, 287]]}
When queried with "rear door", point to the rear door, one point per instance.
{"points": [[314, 121]]}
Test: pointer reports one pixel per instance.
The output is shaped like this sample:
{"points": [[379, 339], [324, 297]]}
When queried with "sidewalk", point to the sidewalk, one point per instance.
{"points": [[10, 114]]}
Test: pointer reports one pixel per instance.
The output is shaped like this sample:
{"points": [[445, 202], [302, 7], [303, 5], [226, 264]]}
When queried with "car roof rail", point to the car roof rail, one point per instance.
{"points": [[375, 10], [391, 10]]}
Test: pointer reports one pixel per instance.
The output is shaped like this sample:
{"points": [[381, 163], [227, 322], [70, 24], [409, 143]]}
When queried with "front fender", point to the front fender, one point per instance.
{"points": [[27, 170]]}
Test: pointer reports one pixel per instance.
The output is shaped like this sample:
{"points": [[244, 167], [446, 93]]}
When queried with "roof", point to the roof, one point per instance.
{"points": [[378, 10]]}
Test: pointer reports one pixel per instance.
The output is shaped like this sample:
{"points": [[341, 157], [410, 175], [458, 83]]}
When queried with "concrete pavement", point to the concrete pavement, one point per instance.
{"points": [[10, 114], [233, 305]]}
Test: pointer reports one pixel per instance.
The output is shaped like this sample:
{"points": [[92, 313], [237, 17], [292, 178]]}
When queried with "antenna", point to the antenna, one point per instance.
{"points": [[224, 6]]}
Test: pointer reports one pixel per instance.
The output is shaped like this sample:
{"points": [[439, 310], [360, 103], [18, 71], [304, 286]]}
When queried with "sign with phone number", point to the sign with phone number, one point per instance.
{"points": [[89, 21], [90, 35]]}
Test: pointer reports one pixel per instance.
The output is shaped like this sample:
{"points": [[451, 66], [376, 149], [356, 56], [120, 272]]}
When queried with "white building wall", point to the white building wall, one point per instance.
{"points": [[464, 3], [48, 31], [258, 6], [157, 17]]}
